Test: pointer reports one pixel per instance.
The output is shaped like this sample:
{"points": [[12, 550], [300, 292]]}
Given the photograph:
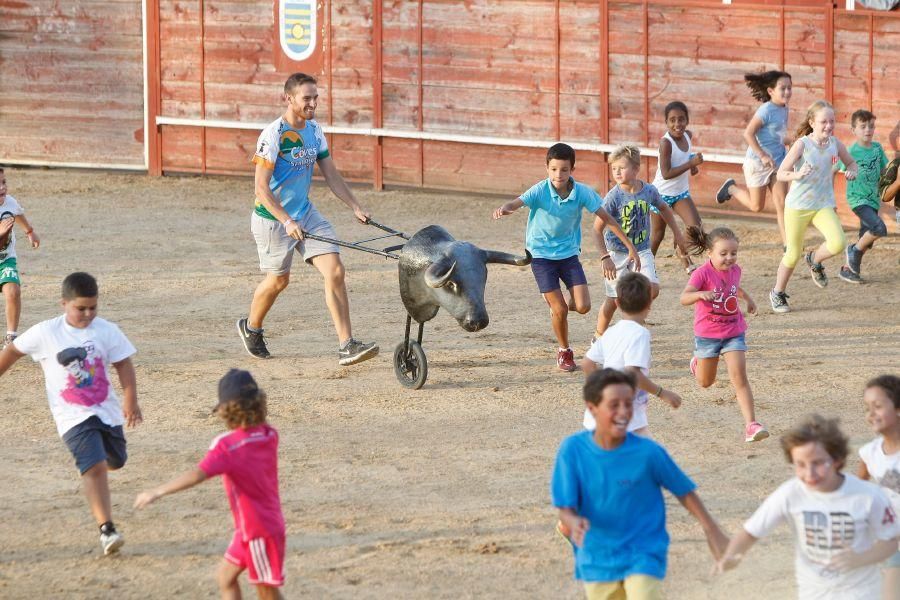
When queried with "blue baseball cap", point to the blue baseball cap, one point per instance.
{"points": [[236, 384]]}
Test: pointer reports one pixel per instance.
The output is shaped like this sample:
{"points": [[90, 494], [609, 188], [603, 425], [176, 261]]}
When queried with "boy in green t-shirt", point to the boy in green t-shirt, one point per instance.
{"points": [[862, 192]]}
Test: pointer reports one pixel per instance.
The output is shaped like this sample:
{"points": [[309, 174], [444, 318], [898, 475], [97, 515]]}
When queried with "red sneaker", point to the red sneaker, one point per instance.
{"points": [[565, 360], [755, 432]]}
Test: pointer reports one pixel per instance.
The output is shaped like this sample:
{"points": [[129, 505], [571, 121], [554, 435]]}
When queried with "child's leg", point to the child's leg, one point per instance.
{"points": [[268, 592], [96, 490], [705, 373], [13, 297], [227, 578], [657, 231], [871, 227], [643, 587], [795, 222], [605, 315], [691, 218], [779, 193], [753, 198], [737, 372], [654, 291], [559, 316], [829, 225], [604, 590], [580, 299]]}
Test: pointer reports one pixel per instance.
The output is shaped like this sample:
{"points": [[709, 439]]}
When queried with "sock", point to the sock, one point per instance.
{"points": [[108, 528], [12, 333], [254, 329]]}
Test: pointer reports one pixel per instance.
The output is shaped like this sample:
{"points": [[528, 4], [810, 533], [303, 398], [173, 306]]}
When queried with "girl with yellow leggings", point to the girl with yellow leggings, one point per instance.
{"points": [[809, 166]]}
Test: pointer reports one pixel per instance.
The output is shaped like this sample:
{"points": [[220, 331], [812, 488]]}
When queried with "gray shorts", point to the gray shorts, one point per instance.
{"points": [[93, 441], [276, 248]]}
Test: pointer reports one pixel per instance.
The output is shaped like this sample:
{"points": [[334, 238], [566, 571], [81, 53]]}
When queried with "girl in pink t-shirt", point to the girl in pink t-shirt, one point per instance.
{"points": [[714, 289]]}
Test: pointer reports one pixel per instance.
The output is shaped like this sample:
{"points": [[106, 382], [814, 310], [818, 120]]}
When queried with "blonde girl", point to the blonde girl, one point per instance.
{"points": [[766, 137], [629, 202], [714, 290], [809, 166], [674, 169]]}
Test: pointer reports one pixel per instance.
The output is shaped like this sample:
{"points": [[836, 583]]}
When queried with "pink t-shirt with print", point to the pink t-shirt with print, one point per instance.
{"points": [[720, 318]]}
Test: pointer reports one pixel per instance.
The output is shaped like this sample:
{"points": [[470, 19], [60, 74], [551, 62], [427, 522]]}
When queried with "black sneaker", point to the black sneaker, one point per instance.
{"points": [[779, 302], [854, 258], [253, 340], [354, 352], [849, 276], [817, 271], [889, 176], [722, 196]]}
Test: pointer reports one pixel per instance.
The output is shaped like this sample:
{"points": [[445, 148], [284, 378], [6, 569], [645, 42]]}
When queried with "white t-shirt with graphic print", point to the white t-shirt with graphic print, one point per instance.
{"points": [[10, 205], [77, 366], [852, 517], [883, 468]]}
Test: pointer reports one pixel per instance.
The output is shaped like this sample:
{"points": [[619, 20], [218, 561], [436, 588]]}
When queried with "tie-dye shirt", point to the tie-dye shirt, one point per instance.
{"points": [[77, 366]]}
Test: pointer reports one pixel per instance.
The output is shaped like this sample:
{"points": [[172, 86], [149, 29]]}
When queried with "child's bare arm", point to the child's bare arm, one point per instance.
{"points": [[850, 167], [577, 524], [8, 357], [29, 230], [128, 379], [691, 295], [182, 482], [786, 170], [849, 560], [734, 553], [649, 386], [588, 366], [508, 208], [751, 305], [862, 471], [606, 262], [750, 132], [714, 537]]}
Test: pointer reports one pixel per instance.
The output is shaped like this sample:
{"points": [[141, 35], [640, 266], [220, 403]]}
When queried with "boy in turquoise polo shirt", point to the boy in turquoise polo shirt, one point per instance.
{"points": [[553, 236], [862, 192]]}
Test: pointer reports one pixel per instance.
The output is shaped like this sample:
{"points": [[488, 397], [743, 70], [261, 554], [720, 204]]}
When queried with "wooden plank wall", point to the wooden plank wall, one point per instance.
{"points": [[71, 81]]}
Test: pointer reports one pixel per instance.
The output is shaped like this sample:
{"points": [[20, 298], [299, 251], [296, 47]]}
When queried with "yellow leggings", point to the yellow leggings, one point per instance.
{"points": [[634, 587], [823, 219]]}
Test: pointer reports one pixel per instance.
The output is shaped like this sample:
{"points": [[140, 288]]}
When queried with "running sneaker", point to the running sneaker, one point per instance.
{"points": [[817, 270], [355, 352], [254, 341], [755, 432], [779, 302], [854, 258], [849, 276], [889, 176], [111, 542], [722, 196], [693, 366], [9, 339], [565, 360]]}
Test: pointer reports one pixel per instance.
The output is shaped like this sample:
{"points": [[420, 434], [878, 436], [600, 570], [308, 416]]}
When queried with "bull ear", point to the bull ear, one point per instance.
{"points": [[438, 274], [504, 258]]}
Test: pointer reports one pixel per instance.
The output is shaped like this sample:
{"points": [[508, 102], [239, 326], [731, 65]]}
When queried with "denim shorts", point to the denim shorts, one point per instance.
{"points": [[93, 441], [893, 562], [713, 347], [548, 272], [870, 221]]}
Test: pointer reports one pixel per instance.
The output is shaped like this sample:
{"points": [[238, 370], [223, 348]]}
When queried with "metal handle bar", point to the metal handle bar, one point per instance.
{"points": [[351, 245], [387, 229]]}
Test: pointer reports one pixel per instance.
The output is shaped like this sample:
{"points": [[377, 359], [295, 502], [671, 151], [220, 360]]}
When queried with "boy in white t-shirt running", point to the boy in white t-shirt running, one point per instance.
{"points": [[626, 347], [76, 350], [11, 212], [843, 526]]}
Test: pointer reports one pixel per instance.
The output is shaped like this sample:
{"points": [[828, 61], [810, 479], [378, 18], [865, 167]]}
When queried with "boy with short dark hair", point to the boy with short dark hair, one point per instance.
{"points": [[862, 192], [76, 350], [247, 459], [607, 485], [11, 212], [626, 346], [553, 236]]}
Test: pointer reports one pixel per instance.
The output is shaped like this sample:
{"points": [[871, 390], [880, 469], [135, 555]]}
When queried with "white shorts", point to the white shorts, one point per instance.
{"points": [[756, 175], [620, 259], [276, 248], [638, 418]]}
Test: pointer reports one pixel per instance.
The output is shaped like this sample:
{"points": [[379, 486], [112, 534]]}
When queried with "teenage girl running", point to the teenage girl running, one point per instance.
{"points": [[673, 172], [766, 136], [810, 167], [719, 326]]}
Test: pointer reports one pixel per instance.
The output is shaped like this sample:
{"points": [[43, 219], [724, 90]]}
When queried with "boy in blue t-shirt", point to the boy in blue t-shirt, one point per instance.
{"points": [[607, 485], [553, 236]]}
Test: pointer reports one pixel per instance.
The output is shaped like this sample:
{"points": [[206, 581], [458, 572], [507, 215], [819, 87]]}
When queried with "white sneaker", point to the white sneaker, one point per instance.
{"points": [[111, 542]]}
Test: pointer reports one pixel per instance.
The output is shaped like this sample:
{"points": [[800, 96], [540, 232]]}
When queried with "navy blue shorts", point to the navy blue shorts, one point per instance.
{"points": [[548, 272], [93, 441], [869, 220]]}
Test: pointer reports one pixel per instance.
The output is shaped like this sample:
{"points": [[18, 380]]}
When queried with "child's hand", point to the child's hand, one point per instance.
{"points": [[843, 561], [696, 160], [751, 306], [803, 171], [767, 161], [578, 527], [850, 174], [145, 498], [635, 262], [502, 212], [6, 225], [708, 295], [609, 268], [132, 412], [34, 239], [694, 170], [727, 563], [671, 397]]}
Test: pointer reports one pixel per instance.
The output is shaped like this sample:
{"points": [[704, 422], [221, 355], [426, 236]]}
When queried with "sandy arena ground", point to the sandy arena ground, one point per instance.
{"points": [[389, 493]]}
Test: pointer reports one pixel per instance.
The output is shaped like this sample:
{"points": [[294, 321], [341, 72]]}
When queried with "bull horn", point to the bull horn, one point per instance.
{"points": [[436, 277], [504, 258]]}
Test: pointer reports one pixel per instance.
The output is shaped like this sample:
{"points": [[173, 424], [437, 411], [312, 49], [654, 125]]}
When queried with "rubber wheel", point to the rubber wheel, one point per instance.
{"points": [[410, 365]]}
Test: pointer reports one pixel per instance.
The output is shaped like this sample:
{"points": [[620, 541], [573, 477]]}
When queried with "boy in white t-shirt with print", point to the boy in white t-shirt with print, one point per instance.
{"points": [[626, 347], [76, 350], [11, 212], [843, 526]]}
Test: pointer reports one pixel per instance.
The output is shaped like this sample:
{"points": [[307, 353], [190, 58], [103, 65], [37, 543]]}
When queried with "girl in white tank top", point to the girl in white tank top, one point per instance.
{"points": [[674, 168]]}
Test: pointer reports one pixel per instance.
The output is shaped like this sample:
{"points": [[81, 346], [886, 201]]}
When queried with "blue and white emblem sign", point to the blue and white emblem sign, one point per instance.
{"points": [[297, 28]]}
